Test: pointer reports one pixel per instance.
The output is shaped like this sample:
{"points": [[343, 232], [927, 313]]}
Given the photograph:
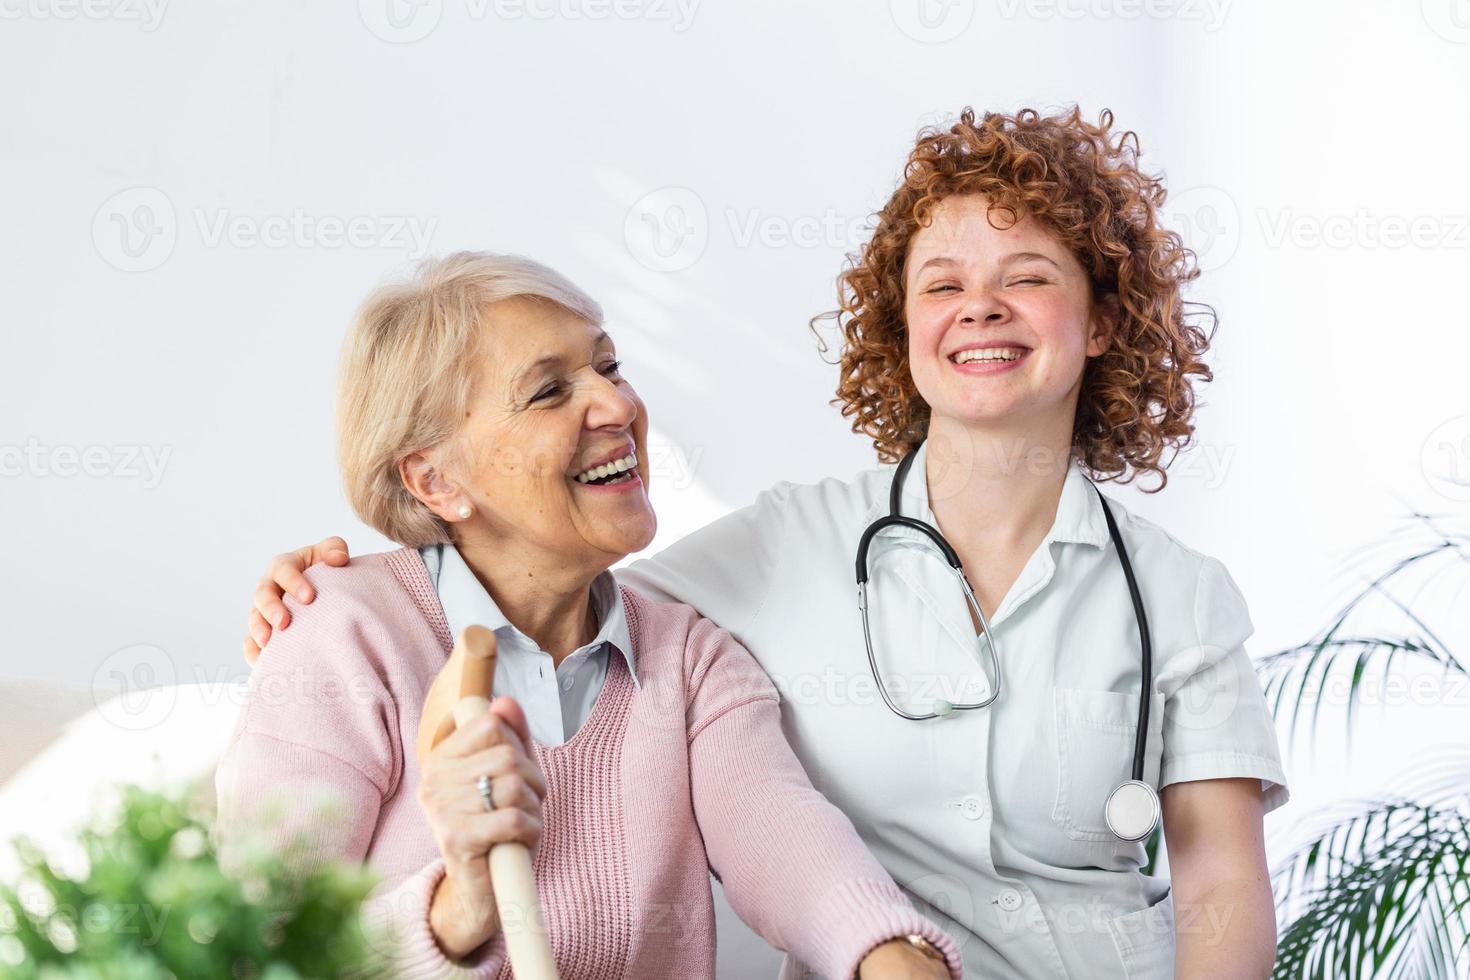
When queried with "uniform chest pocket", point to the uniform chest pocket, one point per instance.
{"points": [[1095, 734]]}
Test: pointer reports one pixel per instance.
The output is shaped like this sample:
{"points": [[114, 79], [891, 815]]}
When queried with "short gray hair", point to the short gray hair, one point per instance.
{"points": [[407, 372]]}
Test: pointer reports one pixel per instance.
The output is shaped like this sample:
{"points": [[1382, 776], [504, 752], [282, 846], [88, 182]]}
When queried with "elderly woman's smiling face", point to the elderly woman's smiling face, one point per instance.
{"points": [[552, 453]]}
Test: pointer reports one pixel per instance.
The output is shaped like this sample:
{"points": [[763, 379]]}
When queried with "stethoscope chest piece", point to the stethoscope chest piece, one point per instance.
{"points": [[1132, 810]]}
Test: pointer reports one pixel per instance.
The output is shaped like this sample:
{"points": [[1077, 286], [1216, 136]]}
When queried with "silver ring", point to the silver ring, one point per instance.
{"points": [[483, 785]]}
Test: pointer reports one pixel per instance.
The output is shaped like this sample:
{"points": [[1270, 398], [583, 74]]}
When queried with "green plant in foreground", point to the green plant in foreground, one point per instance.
{"points": [[153, 902]]}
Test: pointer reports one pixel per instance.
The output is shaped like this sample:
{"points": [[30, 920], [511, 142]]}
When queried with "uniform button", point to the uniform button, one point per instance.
{"points": [[973, 807], [1010, 900], [566, 685]]}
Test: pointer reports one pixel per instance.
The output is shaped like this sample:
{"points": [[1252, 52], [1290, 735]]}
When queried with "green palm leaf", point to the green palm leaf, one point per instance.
{"points": [[1379, 893]]}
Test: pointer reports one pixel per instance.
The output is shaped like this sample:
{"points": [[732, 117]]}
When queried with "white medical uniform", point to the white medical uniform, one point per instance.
{"points": [[992, 819]]}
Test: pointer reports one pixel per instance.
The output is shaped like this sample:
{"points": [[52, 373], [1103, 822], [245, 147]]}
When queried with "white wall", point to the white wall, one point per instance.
{"points": [[543, 126]]}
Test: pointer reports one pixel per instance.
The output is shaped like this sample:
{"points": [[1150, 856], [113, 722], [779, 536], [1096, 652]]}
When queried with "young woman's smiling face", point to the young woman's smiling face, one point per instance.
{"points": [[1000, 320], [549, 405]]}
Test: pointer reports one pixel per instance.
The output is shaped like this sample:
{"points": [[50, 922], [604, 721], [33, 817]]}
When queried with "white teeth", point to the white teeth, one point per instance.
{"points": [[623, 465], [989, 354]]}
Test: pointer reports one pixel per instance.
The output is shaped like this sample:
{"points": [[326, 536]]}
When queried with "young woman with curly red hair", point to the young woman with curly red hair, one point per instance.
{"points": [[1014, 329]]}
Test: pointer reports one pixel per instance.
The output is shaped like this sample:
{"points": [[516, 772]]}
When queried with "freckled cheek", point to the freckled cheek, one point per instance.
{"points": [[1059, 323], [925, 334]]}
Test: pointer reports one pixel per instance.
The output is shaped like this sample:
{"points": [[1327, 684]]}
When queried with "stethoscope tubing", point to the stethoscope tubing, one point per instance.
{"points": [[894, 519], [1145, 647]]}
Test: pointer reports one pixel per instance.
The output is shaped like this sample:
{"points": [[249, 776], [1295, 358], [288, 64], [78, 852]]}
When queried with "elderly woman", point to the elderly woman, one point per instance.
{"points": [[484, 423]]}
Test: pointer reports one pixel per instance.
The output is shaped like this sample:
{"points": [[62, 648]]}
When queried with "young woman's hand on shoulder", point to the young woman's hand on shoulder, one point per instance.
{"points": [[282, 575]]}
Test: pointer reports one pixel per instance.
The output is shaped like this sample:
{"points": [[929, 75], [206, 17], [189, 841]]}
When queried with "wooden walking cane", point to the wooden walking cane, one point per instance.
{"points": [[462, 691]]}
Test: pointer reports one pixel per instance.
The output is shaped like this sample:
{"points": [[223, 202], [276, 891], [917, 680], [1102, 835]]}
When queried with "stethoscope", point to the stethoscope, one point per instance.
{"points": [[1132, 809]]}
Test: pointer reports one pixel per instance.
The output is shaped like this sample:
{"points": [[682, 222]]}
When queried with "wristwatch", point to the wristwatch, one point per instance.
{"points": [[925, 946]]}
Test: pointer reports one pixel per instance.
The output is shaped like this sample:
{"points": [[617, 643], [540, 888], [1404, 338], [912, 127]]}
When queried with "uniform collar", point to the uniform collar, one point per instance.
{"points": [[1079, 519], [465, 601]]}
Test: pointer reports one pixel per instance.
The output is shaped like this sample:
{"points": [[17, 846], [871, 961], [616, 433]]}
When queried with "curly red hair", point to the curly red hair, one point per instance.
{"points": [[1082, 183]]}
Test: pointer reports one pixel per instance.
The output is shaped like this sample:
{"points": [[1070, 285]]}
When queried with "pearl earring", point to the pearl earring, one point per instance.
{"points": [[464, 511]]}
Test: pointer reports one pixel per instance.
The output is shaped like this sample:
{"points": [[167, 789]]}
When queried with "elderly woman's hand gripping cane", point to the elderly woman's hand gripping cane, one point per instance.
{"points": [[481, 791]]}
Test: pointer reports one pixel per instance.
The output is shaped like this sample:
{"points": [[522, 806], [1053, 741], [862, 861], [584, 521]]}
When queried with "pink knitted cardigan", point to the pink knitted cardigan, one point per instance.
{"points": [[684, 773]]}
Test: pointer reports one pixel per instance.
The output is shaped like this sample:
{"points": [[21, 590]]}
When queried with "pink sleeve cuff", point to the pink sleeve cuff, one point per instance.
{"points": [[859, 915], [398, 921]]}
